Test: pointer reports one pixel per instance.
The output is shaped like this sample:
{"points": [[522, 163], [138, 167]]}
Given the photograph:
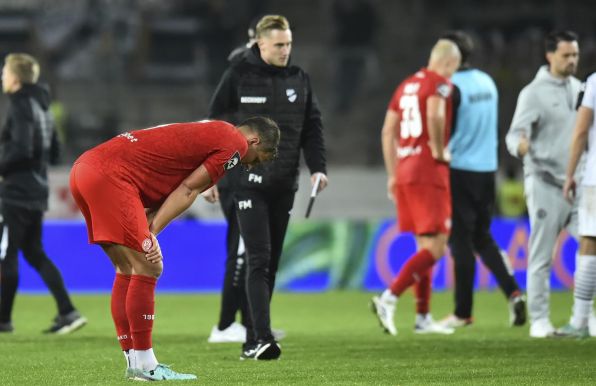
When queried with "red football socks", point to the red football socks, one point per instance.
{"points": [[118, 306], [412, 271], [422, 290], [140, 309]]}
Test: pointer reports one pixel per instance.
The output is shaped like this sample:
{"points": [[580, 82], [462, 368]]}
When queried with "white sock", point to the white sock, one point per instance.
{"points": [[585, 286], [421, 318], [129, 355], [581, 313], [145, 360], [389, 297]]}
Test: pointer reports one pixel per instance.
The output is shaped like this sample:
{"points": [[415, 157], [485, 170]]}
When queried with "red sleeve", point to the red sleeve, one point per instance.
{"points": [[227, 157], [442, 87]]}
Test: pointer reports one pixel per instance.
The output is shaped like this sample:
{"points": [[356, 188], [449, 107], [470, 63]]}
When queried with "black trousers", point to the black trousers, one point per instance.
{"points": [[473, 200], [263, 218], [233, 296], [22, 231]]}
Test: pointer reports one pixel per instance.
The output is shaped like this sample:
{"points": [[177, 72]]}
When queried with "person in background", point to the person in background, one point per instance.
{"points": [[418, 120], [28, 143], [540, 135], [473, 147], [264, 82]]}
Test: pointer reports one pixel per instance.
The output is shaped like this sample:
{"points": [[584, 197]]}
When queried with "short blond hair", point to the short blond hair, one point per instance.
{"points": [[24, 66], [271, 22]]}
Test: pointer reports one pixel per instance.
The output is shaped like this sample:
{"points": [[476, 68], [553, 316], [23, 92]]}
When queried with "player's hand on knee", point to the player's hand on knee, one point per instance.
{"points": [[154, 254]]}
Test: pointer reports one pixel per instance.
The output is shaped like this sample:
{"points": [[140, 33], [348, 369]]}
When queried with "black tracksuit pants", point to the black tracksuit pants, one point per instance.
{"points": [[21, 230], [233, 297], [473, 200], [263, 217]]}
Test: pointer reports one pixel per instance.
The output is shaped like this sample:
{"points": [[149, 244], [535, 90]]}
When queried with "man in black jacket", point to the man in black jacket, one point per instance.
{"points": [[27, 144], [264, 83]]}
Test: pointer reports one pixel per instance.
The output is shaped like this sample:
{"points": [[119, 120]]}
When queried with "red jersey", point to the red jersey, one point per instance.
{"points": [[416, 164], [154, 161]]}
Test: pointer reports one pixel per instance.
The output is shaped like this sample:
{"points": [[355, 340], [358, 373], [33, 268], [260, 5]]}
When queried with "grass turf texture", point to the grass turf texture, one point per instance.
{"points": [[333, 338]]}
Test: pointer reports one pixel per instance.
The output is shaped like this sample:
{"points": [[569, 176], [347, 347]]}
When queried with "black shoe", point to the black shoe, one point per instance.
{"points": [[517, 310], [65, 324], [6, 327], [262, 351]]}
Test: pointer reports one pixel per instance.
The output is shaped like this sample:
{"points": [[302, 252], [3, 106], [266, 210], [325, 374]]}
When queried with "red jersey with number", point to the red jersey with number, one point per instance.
{"points": [[154, 161], [416, 164]]}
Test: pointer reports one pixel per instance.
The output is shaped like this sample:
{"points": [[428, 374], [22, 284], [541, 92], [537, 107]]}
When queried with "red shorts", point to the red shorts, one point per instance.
{"points": [[113, 212], [423, 209]]}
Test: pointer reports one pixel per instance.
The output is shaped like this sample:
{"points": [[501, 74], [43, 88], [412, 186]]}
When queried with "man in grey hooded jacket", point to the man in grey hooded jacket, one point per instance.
{"points": [[540, 135]]}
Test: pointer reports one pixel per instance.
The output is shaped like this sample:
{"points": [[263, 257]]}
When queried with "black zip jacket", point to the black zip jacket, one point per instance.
{"points": [[28, 142], [251, 87]]}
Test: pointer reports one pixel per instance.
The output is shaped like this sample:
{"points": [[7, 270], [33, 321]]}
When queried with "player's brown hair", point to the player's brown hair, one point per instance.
{"points": [[271, 22], [24, 66], [268, 133]]}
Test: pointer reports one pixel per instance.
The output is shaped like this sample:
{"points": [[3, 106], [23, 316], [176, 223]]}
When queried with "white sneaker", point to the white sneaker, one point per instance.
{"points": [[592, 325], [235, 333], [384, 312], [426, 325], [453, 321], [541, 328]]}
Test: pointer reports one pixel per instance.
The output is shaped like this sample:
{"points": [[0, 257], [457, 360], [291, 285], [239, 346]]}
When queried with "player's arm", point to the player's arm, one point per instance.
{"points": [[436, 108], [312, 140], [180, 199], [525, 116], [388, 144], [585, 117]]}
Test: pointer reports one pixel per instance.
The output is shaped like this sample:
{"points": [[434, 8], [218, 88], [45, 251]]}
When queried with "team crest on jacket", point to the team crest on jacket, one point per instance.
{"points": [[291, 94], [232, 161]]}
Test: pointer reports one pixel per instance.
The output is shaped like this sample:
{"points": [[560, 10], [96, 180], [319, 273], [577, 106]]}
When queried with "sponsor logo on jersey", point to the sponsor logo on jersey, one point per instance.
{"points": [[407, 151], [232, 161], [253, 99], [411, 88], [291, 94], [147, 244], [129, 136], [444, 90]]}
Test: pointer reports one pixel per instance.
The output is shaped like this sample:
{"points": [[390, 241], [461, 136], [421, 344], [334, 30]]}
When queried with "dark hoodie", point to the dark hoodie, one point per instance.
{"points": [[252, 87], [28, 142]]}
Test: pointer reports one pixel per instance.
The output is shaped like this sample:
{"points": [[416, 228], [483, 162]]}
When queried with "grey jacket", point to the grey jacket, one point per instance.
{"points": [[545, 114]]}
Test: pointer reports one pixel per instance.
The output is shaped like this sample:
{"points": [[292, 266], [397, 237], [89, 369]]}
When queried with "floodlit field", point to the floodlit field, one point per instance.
{"points": [[333, 338]]}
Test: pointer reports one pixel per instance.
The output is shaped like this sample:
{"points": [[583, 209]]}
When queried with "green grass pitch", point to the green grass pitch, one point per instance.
{"points": [[333, 338]]}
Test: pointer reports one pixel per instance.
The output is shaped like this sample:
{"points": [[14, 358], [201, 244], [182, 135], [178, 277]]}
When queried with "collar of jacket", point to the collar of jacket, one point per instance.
{"points": [[254, 57]]}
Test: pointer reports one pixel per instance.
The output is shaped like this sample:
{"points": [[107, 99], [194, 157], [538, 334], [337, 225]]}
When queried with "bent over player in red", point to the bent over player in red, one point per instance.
{"points": [[418, 121], [130, 187]]}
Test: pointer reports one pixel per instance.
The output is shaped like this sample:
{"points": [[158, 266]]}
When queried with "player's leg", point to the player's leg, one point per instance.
{"points": [[281, 204], [118, 304], [492, 256], [253, 215], [464, 196], [68, 318], [585, 271], [544, 211], [227, 330], [425, 211], [12, 233]]}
